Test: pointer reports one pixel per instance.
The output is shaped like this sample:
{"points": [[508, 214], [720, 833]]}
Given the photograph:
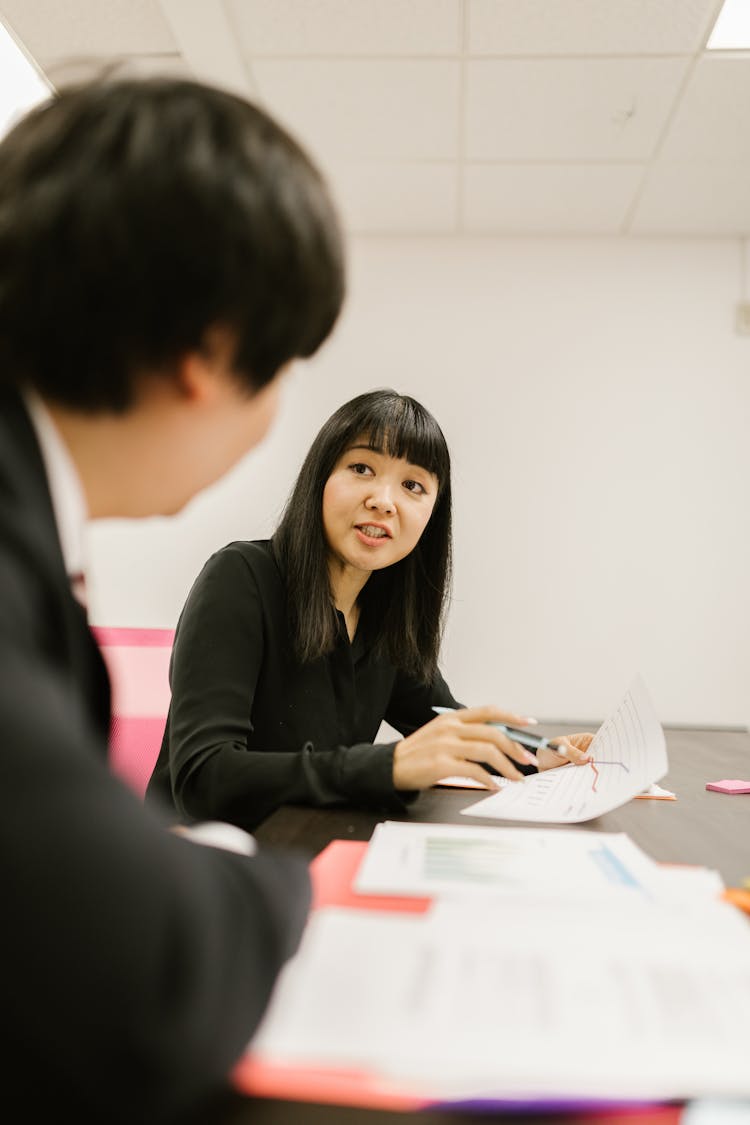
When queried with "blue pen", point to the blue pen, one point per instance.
{"points": [[525, 738]]}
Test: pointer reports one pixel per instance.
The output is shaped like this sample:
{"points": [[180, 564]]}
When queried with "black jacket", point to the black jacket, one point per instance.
{"points": [[250, 728], [134, 964]]}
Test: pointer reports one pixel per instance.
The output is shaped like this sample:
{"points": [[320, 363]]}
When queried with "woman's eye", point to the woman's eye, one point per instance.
{"points": [[360, 469], [414, 486]]}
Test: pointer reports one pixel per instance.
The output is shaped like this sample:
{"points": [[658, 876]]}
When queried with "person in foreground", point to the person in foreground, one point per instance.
{"points": [[165, 251], [290, 652]]}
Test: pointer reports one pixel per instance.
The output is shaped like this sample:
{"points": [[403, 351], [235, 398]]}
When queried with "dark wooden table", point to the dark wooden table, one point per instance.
{"points": [[700, 827]]}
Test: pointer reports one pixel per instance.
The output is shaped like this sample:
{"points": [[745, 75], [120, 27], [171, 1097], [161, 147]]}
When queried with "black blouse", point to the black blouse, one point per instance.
{"points": [[250, 728]]}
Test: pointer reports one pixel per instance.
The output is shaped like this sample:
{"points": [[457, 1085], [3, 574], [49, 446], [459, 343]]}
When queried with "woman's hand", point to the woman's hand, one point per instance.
{"points": [[456, 744], [575, 747]]}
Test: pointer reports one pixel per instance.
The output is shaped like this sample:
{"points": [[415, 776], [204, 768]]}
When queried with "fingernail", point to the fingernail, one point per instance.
{"points": [[533, 722], [529, 758]]}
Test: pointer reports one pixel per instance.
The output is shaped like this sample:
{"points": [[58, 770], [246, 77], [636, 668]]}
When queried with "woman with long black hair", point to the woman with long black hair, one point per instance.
{"points": [[291, 652]]}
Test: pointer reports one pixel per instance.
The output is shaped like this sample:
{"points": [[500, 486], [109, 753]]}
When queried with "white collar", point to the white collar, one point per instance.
{"points": [[66, 490]]}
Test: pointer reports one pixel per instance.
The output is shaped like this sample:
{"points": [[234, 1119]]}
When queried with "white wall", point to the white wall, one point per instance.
{"points": [[595, 398]]}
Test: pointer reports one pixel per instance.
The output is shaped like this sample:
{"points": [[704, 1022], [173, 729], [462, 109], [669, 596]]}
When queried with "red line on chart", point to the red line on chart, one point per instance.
{"points": [[596, 771]]}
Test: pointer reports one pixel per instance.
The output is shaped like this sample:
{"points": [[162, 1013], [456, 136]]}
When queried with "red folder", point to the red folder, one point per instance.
{"points": [[333, 873]]}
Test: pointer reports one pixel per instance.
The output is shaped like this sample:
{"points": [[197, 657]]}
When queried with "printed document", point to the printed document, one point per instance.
{"points": [[633, 1001], [628, 754], [433, 860]]}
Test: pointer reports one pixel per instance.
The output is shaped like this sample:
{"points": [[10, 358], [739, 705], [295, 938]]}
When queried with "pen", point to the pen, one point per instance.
{"points": [[524, 738]]}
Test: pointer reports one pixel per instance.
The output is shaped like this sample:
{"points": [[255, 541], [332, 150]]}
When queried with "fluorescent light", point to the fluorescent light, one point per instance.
{"points": [[22, 86], [732, 29]]}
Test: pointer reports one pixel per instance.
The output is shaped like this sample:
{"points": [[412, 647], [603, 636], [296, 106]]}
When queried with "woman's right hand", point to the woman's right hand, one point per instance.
{"points": [[457, 743]]}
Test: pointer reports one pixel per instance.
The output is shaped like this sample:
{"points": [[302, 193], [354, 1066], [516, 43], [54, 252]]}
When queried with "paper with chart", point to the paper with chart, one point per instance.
{"points": [[475, 861], [636, 1000], [629, 753]]}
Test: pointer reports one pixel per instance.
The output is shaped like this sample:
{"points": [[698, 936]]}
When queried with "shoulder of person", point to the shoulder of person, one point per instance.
{"points": [[255, 556]]}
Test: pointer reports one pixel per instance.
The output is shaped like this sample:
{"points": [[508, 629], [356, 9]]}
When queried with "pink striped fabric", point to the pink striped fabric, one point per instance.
{"points": [[138, 665], [142, 638]]}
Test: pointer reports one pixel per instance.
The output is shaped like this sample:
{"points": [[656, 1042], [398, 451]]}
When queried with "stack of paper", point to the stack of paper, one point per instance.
{"points": [[636, 1000], [449, 860]]}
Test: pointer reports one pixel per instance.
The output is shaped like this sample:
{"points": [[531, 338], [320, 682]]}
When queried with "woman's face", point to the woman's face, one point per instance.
{"points": [[375, 508]]}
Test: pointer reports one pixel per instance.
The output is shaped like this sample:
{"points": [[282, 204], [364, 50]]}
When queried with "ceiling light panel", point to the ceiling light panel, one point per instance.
{"points": [[732, 29], [22, 86]]}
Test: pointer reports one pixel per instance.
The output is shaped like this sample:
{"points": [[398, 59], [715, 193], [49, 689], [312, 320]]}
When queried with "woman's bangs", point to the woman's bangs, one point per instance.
{"points": [[405, 430]]}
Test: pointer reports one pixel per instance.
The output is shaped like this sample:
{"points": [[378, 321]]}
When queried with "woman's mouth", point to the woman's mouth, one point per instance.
{"points": [[371, 533]]}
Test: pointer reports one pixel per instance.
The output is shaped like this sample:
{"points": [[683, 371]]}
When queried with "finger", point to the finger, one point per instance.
{"points": [[546, 759], [481, 732], [490, 714], [565, 750], [486, 752], [464, 768], [578, 757], [582, 741]]}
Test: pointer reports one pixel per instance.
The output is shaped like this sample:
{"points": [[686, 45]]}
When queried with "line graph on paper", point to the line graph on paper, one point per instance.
{"points": [[628, 754], [594, 766]]}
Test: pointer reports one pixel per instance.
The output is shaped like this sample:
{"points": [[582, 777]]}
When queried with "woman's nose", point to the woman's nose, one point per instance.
{"points": [[381, 500]]}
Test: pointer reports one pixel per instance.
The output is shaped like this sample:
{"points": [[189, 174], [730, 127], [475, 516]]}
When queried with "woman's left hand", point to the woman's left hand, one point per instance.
{"points": [[574, 750]]}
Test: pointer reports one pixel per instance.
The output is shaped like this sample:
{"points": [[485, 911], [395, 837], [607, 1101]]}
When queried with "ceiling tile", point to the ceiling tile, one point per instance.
{"points": [[368, 110], [375, 89], [60, 72], [389, 198], [711, 122], [347, 27], [548, 198], [572, 109], [209, 44], [698, 198], [588, 27], [50, 29]]}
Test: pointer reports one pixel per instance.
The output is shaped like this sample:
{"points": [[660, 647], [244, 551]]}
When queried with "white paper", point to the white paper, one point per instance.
{"points": [[464, 783], [711, 1111], [653, 791], [644, 1001], [629, 754], [473, 860], [656, 793]]}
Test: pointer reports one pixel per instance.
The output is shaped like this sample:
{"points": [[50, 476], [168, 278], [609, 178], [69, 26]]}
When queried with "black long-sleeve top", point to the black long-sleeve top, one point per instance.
{"points": [[250, 728], [134, 965]]}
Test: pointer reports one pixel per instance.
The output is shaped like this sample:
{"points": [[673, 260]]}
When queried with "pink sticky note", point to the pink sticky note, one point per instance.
{"points": [[733, 785]]}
